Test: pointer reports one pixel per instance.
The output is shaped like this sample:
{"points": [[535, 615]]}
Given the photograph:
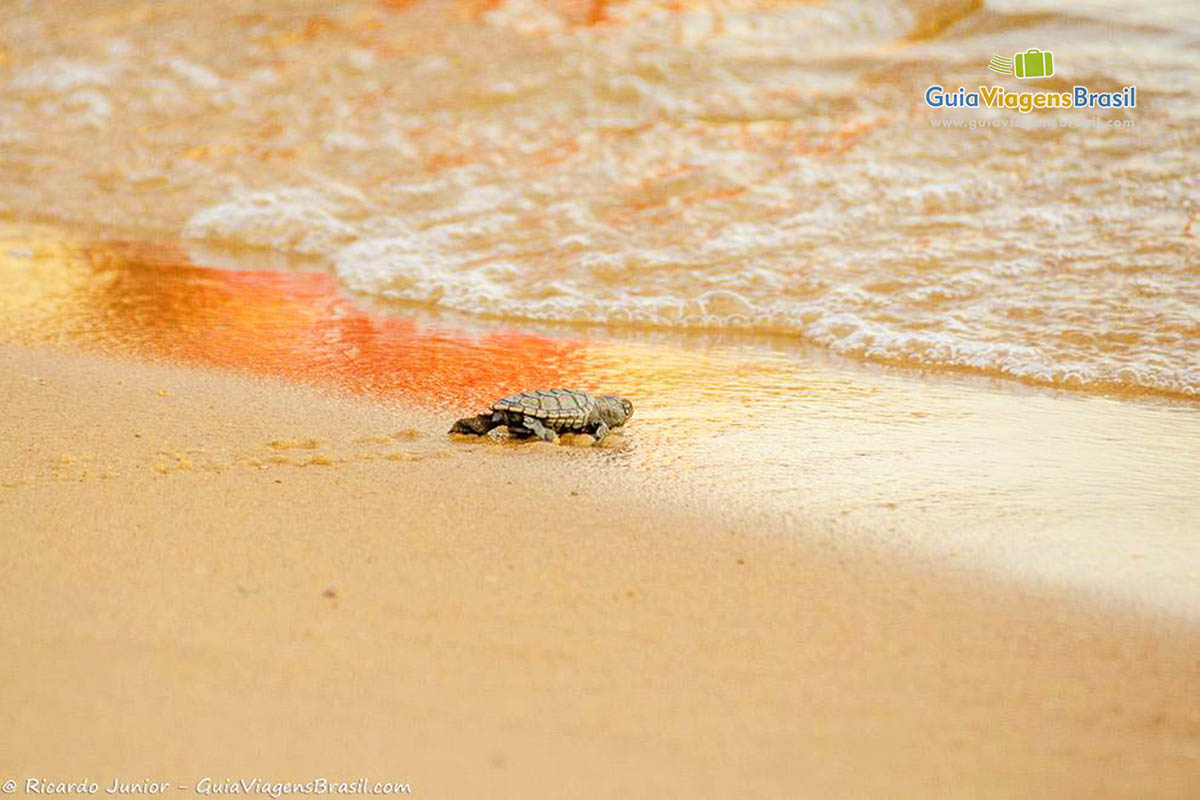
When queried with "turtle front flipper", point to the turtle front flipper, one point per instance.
{"points": [[475, 426], [599, 432], [541, 431]]}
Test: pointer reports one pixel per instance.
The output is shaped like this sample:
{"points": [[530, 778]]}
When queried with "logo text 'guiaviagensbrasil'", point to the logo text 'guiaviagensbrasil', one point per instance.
{"points": [[1033, 63]]}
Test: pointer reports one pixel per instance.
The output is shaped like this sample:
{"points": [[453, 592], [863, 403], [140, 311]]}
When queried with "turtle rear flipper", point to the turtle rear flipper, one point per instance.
{"points": [[541, 431]]}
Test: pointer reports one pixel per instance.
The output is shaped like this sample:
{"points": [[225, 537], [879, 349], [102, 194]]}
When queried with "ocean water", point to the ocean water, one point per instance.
{"points": [[752, 166]]}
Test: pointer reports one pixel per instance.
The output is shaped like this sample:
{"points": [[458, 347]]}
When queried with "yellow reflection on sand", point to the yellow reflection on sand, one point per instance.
{"points": [[1086, 491]]}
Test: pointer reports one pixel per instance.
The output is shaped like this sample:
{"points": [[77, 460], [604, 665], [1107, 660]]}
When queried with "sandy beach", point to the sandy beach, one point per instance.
{"points": [[210, 575], [907, 506]]}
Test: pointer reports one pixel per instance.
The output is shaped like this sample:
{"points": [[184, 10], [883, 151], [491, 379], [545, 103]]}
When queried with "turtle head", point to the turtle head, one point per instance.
{"points": [[615, 411]]}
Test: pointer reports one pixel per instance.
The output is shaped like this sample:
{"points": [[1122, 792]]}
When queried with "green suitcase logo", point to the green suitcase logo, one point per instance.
{"points": [[1034, 64]]}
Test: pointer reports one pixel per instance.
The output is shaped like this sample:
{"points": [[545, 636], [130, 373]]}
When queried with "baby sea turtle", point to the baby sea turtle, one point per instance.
{"points": [[547, 414]]}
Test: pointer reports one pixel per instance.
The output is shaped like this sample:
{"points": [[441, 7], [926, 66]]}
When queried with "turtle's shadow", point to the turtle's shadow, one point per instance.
{"points": [[567, 442]]}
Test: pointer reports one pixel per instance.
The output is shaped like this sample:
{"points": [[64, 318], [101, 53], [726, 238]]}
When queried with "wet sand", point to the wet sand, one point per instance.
{"points": [[229, 576]]}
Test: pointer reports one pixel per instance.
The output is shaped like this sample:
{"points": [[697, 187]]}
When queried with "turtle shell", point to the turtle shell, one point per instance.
{"points": [[556, 407]]}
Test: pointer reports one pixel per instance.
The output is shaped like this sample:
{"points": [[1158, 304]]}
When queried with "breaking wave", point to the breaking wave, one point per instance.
{"points": [[756, 165]]}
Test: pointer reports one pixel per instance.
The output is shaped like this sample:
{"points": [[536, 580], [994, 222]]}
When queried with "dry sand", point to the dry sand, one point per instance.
{"points": [[214, 575]]}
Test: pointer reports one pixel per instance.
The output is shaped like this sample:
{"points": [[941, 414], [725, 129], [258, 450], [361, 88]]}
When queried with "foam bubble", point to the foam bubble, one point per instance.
{"points": [[61, 75], [197, 75], [416, 269], [298, 220]]}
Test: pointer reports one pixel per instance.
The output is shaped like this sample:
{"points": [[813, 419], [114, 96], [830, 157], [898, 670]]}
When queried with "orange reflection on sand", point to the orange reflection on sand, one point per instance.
{"points": [[151, 301]]}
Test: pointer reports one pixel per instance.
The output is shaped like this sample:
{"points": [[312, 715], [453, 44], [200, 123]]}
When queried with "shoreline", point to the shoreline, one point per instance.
{"points": [[456, 610], [1065, 490]]}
